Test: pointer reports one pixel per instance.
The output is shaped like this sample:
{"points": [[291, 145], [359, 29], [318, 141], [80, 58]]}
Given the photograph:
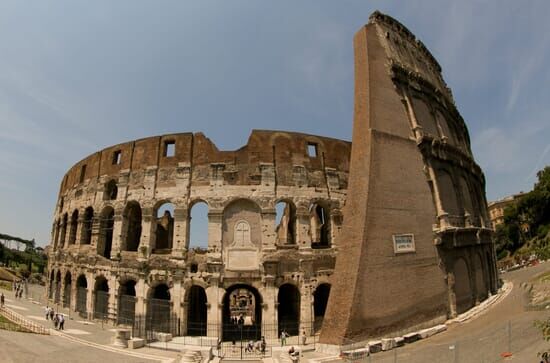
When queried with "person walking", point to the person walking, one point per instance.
{"points": [[52, 313], [56, 321], [61, 322], [304, 337], [2, 300], [283, 338], [47, 312]]}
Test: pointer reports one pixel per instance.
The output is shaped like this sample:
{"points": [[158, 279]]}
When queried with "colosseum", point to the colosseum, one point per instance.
{"points": [[411, 248]]}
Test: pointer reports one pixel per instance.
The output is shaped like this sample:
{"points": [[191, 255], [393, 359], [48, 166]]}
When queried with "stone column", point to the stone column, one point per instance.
{"points": [[269, 310], [90, 281], [113, 297], [306, 309], [181, 232], [303, 238], [452, 295], [79, 228], [214, 308], [269, 237], [118, 234], [74, 290], [215, 225], [148, 230]]}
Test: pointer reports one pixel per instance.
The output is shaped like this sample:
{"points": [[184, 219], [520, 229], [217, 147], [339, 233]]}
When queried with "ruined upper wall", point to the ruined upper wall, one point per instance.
{"points": [[287, 151]]}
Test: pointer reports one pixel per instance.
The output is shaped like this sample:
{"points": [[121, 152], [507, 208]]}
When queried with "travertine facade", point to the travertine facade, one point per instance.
{"points": [[413, 242], [111, 250], [416, 234]]}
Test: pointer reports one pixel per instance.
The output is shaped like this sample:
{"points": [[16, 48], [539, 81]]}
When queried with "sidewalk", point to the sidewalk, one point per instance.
{"points": [[92, 333]]}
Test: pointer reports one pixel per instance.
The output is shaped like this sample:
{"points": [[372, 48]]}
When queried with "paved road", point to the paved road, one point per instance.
{"points": [[31, 348], [507, 326]]}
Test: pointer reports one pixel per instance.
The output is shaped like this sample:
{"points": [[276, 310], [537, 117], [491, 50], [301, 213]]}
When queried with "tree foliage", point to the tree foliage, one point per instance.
{"points": [[527, 219]]}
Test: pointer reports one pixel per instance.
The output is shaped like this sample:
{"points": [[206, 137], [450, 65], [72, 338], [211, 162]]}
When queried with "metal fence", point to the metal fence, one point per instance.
{"points": [[101, 306], [81, 296]]}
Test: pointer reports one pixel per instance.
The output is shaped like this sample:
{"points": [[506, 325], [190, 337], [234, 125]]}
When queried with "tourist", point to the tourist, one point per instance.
{"points": [[51, 314], [47, 312], [263, 345], [2, 300], [304, 337], [61, 322], [283, 338], [294, 354], [56, 320], [249, 347]]}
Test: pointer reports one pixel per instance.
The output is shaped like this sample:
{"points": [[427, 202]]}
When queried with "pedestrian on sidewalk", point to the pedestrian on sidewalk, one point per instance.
{"points": [[2, 300], [51, 314], [56, 321], [304, 337], [61, 323], [47, 312]]}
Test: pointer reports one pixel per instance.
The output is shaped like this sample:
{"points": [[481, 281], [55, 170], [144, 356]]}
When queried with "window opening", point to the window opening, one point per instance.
{"points": [[169, 148], [312, 150], [117, 156]]}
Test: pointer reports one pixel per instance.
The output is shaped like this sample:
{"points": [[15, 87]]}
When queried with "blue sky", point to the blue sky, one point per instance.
{"points": [[77, 76]]}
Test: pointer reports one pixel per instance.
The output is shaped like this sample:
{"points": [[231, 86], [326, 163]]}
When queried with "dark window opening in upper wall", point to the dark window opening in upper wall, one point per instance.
{"points": [[169, 148], [117, 156], [312, 150], [82, 173]]}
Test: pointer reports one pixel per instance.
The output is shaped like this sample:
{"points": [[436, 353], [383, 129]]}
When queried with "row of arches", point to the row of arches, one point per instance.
{"points": [[461, 198], [241, 308], [102, 224], [473, 279]]}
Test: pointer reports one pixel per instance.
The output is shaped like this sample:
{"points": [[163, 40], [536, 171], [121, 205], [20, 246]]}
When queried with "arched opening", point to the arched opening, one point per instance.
{"points": [[56, 235], [319, 219], [127, 303], [242, 313], [288, 309], [86, 237], [159, 311], [198, 227], [52, 285], [164, 233], [196, 311], [67, 290], [111, 190], [63, 231], [81, 295], [320, 301], [481, 285], [285, 221], [101, 303], [106, 224], [57, 287], [463, 290], [72, 230], [132, 219], [449, 199]]}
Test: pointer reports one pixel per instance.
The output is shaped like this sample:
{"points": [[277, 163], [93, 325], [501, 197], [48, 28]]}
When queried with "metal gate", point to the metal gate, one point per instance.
{"points": [[101, 306], [126, 310], [81, 294], [57, 291], [158, 315]]}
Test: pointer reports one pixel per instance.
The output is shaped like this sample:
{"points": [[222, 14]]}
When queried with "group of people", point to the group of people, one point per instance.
{"points": [[259, 346], [57, 319], [18, 288]]}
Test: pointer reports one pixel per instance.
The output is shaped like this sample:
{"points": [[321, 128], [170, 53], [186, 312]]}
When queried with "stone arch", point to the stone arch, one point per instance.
{"points": [[63, 230], [241, 300], [480, 278], [447, 193], [81, 295], [132, 217], [196, 311], [446, 130], [320, 224], [197, 221], [101, 300], [111, 190], [424, 117], [288, 309], [106, 225], [467, 203], [164, 229], [462, 286], [159, 308], [320, 301], [67, 287], [126, 302], [87, 223], [73, 227], [285, 221]]}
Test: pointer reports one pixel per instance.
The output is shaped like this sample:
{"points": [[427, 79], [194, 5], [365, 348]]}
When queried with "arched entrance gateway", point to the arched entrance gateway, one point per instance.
{"points": [[81, 293], [127, 303], [101, 301], [242, 313], [67, 290], [320, 300], [288, 309], [159, 311], [196, 311]]}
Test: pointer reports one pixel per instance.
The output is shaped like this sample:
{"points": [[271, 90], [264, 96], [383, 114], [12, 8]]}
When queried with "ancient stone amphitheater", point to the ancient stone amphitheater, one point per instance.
{"points": [[411, 248]]}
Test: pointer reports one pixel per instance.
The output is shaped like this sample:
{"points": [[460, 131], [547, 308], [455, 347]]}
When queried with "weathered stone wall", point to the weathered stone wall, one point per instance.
{"points": [[118, 191], [417, 224]]}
